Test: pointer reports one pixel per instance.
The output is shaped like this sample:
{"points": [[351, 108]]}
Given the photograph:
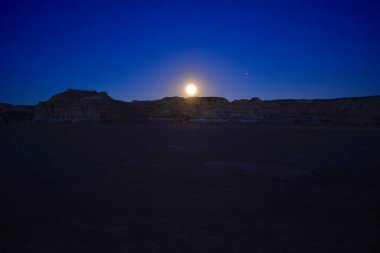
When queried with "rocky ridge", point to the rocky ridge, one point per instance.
{"points": [[91, 106], [15, 113]]}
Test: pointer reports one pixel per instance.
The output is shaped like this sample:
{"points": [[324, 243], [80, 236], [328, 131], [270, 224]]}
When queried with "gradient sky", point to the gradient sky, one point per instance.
{"points": [[148, 49]]}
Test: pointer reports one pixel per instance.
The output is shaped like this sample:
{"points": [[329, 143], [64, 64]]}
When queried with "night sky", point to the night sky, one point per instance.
{"points": [[149, 49]]}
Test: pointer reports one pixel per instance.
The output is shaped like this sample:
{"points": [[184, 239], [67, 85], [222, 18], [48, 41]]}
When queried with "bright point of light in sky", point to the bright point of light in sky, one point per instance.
{"points": [[191, 89]]}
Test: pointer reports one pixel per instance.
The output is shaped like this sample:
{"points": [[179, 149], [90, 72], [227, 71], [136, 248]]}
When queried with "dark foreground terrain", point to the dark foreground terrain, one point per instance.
{"points": [[189, 188]]}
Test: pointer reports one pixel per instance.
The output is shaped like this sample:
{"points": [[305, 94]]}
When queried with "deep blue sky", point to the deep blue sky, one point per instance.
{"points": [[148, 49]]}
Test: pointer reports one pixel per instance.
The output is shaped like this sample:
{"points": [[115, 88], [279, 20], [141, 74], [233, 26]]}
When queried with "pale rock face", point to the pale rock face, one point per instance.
{"points": [[77, 106]]}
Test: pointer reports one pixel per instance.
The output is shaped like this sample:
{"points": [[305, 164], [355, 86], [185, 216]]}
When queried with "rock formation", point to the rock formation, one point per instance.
{"points": [[92, 106], [78, 106], [15, 114]]}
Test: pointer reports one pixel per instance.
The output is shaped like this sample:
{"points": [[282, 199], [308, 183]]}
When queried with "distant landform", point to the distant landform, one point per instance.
{"points": [[74, 106]]}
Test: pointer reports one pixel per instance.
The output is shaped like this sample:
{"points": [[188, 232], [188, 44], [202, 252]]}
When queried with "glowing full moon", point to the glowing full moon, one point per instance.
{"points": [[191, 89]]}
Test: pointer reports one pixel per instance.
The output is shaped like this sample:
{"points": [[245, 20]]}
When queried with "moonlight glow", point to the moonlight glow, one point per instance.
{"points": [[191, 89]]}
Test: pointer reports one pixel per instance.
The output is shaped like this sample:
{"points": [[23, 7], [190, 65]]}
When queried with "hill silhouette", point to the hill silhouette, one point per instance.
{"points": [[92, 106]]}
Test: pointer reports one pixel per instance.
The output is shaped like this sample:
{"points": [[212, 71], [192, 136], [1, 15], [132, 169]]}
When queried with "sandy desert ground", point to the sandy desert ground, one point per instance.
{"points": [[189, 188]]}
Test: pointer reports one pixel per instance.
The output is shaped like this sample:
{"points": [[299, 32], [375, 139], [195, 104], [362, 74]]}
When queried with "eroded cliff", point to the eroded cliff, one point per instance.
{"points": [[91, 106]]}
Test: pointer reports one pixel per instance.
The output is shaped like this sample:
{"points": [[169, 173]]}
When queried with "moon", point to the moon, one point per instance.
{"points": [[191, 90]]}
